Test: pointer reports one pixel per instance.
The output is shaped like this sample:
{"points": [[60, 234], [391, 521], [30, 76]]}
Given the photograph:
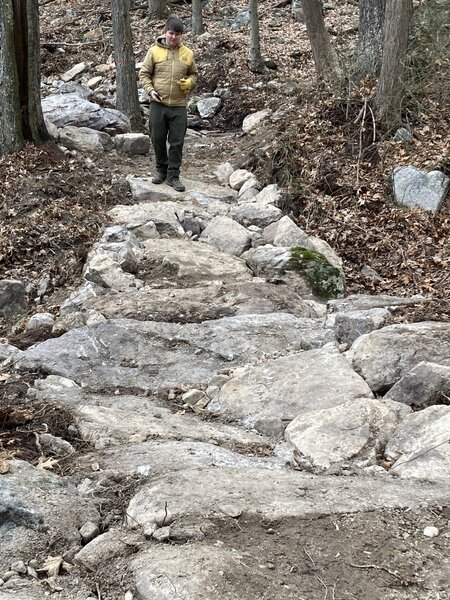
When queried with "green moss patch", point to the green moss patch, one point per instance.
{"points": [[325, 280]]}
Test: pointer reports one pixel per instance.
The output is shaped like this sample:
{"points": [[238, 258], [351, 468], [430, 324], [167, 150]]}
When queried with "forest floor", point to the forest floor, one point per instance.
{"points": [[336, 182]]}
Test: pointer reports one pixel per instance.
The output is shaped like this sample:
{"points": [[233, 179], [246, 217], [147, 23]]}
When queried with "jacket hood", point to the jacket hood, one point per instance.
{"points": [[161, 41]]}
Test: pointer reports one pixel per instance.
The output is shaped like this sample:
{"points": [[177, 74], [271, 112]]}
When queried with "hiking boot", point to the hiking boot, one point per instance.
{"points": [[176, 184], [159, 177]]}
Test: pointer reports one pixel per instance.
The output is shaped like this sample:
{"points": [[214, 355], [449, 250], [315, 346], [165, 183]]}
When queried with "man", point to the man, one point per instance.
{"points": [[167, 74]]}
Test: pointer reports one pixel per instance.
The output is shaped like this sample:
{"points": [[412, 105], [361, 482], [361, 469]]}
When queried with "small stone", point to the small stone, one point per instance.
{"points": [[192, 397], [32, 573], [137, 438], [19, 567], [8, 574], [230, 510], [72, 431], [149, 530], [89, 531], [431, 531], [2, 581], [162, 534], [129, 595]]}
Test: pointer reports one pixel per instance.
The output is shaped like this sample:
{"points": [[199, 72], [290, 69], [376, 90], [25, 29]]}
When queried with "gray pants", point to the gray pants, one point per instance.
{"points": [[168, 124]]}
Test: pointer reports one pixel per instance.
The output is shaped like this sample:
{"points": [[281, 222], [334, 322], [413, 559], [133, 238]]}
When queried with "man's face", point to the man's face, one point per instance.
{"points": [[173, 38]]}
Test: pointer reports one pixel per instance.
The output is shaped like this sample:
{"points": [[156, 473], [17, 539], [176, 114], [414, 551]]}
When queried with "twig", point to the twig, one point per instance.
{"points": [[99, 594], [165, 513], [374, 125], [324, 585], [378, 568], [309, 556], [361, 131]]}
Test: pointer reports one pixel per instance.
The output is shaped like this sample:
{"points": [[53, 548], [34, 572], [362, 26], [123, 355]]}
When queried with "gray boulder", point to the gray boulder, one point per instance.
{"points": [[227, 235], [252, 213], [208, 107], [384, 356], [132, 143], [355, 431], [425, 382], [69, 109], [420, 445], [309, 270], [286, 233], [318, 379], [416, 189], [85, 139]]}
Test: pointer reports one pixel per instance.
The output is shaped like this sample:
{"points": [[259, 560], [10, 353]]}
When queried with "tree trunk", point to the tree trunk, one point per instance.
{"points": [[370, 37], [21, 117], [157, 9], [197, 18], [256, 61], [395, 44], [325, 58], [127, 99]]}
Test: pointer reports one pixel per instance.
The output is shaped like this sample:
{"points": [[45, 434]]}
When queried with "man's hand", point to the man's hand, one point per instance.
{"points": [[155, 96], [185, 84]]}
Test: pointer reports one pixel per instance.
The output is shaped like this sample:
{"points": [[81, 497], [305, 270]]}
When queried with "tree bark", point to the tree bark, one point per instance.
{"points": [[395, 44], [21, 117], [157, 9], [256, 61], [325, 59], [197, 18], [127, 99], [370, 37]]}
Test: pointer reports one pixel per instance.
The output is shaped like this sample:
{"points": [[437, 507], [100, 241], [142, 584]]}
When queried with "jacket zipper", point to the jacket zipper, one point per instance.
{"points": [[171, 78]]}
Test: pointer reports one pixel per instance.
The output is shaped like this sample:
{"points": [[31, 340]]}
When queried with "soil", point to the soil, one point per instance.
{"points": [[53, 208]]}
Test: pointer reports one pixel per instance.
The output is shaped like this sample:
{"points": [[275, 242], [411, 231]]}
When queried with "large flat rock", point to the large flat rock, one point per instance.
{"points": [[200, 493], [184, 263], [289, 386], [140, 356], [184, 305], [115, 419], [156, 458], [143, 190]]}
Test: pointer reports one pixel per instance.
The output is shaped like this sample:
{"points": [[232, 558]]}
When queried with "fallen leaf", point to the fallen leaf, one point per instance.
{"points": [[46, 463], [53, 564], [4, 467]]}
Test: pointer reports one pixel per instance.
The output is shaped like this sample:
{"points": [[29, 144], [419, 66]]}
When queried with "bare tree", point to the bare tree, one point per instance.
{"points": [[127, 99], [395, 44], [370, 37], [325, 59], [256, 61], [157, 9], [21, 117], [197, 18]]}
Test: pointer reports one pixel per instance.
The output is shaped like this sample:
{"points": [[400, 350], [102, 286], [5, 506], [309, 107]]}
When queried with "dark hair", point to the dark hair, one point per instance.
{"points": [[174, 24]]}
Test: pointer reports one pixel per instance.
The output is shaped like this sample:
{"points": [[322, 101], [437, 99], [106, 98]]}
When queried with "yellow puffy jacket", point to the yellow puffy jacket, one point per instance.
{"points": [[163, 67]]}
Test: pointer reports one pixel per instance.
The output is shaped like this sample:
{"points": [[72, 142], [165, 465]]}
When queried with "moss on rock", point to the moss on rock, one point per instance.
{"points": [[326, 280]]}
